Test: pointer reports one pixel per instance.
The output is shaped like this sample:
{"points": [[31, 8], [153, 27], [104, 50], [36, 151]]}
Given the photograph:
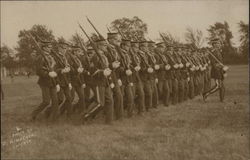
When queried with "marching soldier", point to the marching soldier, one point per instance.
{"points": [[218, 71], [138, 91], [114, 57], [47, 81], [154, 79], [63, 70], [77, 78], [145, 73], [163, 74], [101, 73], [127, 87]]}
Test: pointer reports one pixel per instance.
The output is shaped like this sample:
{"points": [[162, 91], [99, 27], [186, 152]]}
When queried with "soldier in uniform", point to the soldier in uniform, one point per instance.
{"points": [[138, 91], [63, 70], [173, 78], [47, 81], [114, 57], [77, 78], [217, 72], [145, 73], [163, 74], [154, 80], [127, 87], [101, 73]]}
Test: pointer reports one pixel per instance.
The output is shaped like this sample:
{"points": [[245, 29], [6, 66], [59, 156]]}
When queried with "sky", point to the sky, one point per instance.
{"points": [[165, 16]]}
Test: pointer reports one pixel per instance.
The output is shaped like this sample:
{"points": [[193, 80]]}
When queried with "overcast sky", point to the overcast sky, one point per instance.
{"points": [[165, 16]]}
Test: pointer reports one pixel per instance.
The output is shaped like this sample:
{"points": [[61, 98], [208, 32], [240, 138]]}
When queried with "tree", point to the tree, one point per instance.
{"points": [[9, 59], [130, 28], [194, 37], [244, 39], [222, 31], [26, 46]]}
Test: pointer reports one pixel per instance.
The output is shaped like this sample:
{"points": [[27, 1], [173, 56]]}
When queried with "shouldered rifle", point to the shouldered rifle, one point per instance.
{"points": [[47, 66]]}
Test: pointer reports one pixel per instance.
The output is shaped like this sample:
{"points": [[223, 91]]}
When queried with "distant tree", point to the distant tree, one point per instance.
{"points": [[26, 46], [74, 39], [194, 37], [130, 27], [244, 39], [170, 38], [9, 59]]}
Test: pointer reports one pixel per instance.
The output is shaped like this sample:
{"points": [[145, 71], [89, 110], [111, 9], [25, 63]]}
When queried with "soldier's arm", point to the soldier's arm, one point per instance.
{"points": [[41, 68]]}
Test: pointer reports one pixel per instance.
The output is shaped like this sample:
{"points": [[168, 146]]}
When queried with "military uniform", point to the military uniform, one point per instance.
{"points": [[138, 92], [44, 67]]}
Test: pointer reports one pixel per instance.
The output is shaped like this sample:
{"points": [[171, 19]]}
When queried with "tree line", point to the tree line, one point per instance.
{"points": [[25, 53]]}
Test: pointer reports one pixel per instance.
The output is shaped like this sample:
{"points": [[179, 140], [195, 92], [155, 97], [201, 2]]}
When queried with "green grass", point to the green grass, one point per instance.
{"points": [[193, 130]]}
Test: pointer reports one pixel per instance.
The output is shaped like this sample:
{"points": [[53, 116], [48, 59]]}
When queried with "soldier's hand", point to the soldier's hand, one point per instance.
{"points": [[70, 86], [67, 69], [80, 70], [176, 66], [83, 85], [167, 67], [52, 74], [150, 70], [115, 64], [187, 64], [156, 80], [57, 88], [119, 82], [107, 72], [181, 65], [128, 72], [137, 68], [157, 67], [112, 85], [188, 79]]}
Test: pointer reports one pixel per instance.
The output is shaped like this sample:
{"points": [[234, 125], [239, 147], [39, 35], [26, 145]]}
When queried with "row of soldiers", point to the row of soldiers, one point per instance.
{"points": [[122, 76]]}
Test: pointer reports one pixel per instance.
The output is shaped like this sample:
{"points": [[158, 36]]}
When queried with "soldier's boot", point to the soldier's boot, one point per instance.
{"points": [[222, 92]]}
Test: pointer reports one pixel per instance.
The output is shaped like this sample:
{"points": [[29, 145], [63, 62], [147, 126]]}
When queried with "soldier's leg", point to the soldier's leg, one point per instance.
{"points": [[148, 95], [180, 91], [166, 94], [160, 90], [141, 97], [45, 102], [155, 96], [175, 91], [109, 105], [222, 90], [54, 104], [129, 99], [81, 100], [118, 102], [67, 103], [191, 88]]}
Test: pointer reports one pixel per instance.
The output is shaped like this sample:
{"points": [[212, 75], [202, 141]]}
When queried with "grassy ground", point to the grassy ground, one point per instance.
{"points": [[191, 130]]}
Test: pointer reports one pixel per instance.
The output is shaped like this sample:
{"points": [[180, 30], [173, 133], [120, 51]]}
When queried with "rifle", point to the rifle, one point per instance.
{"points": [[81, 44], [108, 29], [47, 67], [99, 34]]}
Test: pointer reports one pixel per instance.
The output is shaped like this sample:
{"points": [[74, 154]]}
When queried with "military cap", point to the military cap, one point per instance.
{"points": [[75, 47], [112, 35], [90, 48], [44, 43], [100, 40], [215, 40], [151, 42], [143, 43]]}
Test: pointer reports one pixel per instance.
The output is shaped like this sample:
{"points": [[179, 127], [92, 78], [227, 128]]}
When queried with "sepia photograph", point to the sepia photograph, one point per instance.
{"points": [[125, 80]]}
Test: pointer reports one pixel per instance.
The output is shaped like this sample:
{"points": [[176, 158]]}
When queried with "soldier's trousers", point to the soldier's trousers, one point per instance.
{"points": [[105, 98], [118, 102], [155, 96], [80, 105], [196, 85], [48, 94], [180, 90], [219, 85], [186, 89], [174, 91], [127, 90], [191, 87], [65, 93], [139, 97], [164, 91], [147, 88]]}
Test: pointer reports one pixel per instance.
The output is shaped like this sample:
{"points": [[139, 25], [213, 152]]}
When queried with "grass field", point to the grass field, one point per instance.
{"points": [[193, 130]]}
